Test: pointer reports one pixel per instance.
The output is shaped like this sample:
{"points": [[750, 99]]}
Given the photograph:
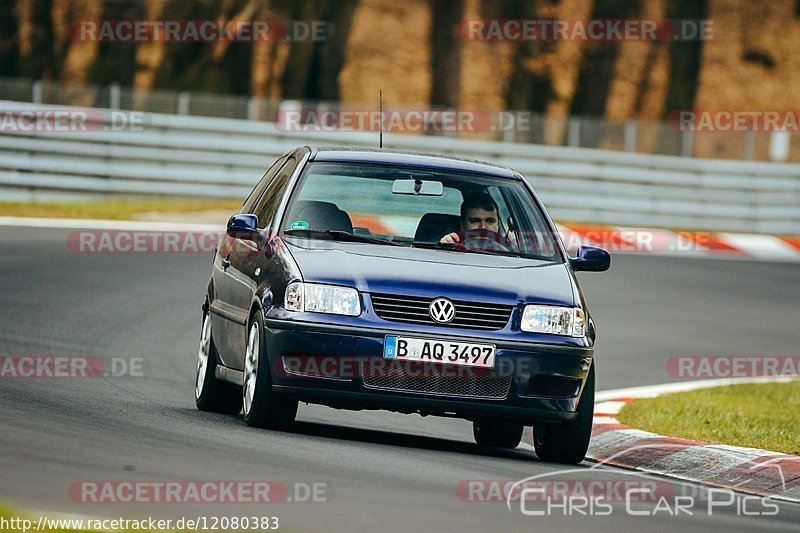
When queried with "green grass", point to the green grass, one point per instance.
{"points": [[117, 209], [764, 415]]}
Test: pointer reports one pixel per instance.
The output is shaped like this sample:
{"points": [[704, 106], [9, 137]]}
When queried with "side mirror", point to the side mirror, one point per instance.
{"points": [[591, 259], [243, 227]]}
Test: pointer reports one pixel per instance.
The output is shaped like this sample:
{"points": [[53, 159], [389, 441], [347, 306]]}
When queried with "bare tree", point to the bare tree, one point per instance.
{"points": [[529, 89], [684, 57], [596, 71], [37, 58], [312, 67], [9, 43], [445, 47]]}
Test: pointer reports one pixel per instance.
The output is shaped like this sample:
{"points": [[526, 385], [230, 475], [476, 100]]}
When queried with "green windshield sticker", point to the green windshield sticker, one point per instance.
{"points": [[300, 224]]}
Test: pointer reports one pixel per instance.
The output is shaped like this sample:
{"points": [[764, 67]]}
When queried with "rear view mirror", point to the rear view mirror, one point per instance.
{"points": [[591, 259], [243, 227], [417, 186]]}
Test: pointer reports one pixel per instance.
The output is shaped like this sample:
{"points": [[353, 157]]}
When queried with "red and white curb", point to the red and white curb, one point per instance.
{"points": [[682, 243], [747, 470]]}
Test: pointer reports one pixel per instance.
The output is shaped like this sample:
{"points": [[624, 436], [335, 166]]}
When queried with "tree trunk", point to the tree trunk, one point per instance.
{"points": [[333, 52], [685, 57], [297, 72], [312, 67], [150, 55], [79, 55], [37, 59], [599, 60], [9, 43], [445, 52]]}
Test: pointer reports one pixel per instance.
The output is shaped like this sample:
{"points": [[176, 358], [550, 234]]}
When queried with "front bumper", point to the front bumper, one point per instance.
{"points": [[348, 347]]}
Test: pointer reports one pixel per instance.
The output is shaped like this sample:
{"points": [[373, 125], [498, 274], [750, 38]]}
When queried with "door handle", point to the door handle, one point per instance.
{"points": [[225, 263]]}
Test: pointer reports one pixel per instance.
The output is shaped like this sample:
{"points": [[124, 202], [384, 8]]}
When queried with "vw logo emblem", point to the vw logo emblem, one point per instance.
{"points": [[442, 310]]}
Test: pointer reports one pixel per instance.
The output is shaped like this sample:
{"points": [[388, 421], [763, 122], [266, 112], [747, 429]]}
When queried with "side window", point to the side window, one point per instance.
{"points": [[247, 206], [268, 203]]}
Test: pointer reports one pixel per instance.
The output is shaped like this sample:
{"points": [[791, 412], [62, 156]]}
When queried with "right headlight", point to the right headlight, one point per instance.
{"points": [[554, 320], [319, 298]]}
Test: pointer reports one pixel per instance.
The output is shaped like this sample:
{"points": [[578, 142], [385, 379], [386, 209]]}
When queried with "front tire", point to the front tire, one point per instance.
{"points": [[567, 443], [495, 433], [262, 407], [210, 394]]}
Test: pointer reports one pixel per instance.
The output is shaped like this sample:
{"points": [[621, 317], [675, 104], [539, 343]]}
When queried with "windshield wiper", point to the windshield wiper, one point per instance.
{"points": [[454, 247], [336, 235], [435, 245]]}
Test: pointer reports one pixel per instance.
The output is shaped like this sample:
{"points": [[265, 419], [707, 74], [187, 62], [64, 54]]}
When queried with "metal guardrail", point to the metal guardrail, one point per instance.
{"points": [[215, 157], [632, 135]]}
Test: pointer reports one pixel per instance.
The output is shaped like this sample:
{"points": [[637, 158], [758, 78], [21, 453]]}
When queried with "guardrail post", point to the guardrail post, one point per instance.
{"points": [[630, 136], [574, 132], [289, 114], [749, 145], [687, 143], [508, 135], [779, 146], [252, 108], [36, 92], [183, 103], [114, 96]]}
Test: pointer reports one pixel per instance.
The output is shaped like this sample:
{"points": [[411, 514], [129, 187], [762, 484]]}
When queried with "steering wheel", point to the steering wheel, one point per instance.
{"points": [[484, 239]]}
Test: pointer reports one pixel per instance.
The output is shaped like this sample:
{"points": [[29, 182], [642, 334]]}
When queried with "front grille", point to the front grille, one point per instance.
{"points": [[483, 385], [414, 309], [552, 386]]}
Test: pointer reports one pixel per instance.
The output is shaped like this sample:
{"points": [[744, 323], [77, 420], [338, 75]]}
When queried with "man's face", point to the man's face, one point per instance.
{"points": [[478, 218]]}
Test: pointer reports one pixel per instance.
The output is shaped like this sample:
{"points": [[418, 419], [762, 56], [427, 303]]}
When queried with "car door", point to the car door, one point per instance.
{"points": [[243, 258], [226, 317]]}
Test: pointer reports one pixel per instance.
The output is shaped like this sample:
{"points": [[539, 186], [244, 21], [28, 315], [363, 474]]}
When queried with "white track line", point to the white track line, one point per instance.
{"points": [[651, 391]]}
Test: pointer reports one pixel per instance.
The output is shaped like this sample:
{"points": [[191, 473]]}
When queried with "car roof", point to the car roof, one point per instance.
{"points": [[406, 157]]}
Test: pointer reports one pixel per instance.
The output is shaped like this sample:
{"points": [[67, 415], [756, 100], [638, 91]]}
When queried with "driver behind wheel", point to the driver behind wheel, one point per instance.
{"points": [[479, 215]]}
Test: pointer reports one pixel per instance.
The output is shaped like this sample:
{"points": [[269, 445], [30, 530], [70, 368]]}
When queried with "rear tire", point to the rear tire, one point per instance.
{"points": [[567, 443], [262, 407], [494, 433], [210, 394]]}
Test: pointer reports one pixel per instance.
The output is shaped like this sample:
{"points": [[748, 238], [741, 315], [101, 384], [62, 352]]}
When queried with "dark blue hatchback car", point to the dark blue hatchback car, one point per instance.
{"points": [[378, 279]]}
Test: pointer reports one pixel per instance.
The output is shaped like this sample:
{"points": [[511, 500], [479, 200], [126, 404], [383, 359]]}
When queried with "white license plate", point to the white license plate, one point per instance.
{"points": [[433, 351]]}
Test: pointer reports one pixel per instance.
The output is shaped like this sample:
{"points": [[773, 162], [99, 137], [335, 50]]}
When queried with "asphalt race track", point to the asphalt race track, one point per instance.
{"points": [[384, 472]]}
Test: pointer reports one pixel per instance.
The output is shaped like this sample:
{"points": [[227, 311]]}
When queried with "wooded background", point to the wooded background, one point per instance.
{"points": [[411, 50]]}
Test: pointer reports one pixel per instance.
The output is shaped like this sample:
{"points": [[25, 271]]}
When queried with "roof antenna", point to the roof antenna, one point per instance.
{"points": [[380, 135]]}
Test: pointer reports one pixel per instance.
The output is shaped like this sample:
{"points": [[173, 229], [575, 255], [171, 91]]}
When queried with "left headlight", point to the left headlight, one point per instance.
{"points": [[322, 299], [569, 321]]}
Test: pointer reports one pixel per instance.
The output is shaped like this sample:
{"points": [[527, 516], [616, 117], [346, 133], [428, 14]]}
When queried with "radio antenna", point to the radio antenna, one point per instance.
{"points": [[380, 134]]}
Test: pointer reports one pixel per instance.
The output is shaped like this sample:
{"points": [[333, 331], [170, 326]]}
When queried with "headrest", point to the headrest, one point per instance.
{"points": [[434, 226], [321, 216]]}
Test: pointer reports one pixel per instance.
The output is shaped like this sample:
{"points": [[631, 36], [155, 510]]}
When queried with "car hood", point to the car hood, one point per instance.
{"points": [[423, 272]]}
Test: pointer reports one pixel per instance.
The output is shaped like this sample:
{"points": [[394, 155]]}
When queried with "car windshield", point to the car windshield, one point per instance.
{"points": [[419, 207]]}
